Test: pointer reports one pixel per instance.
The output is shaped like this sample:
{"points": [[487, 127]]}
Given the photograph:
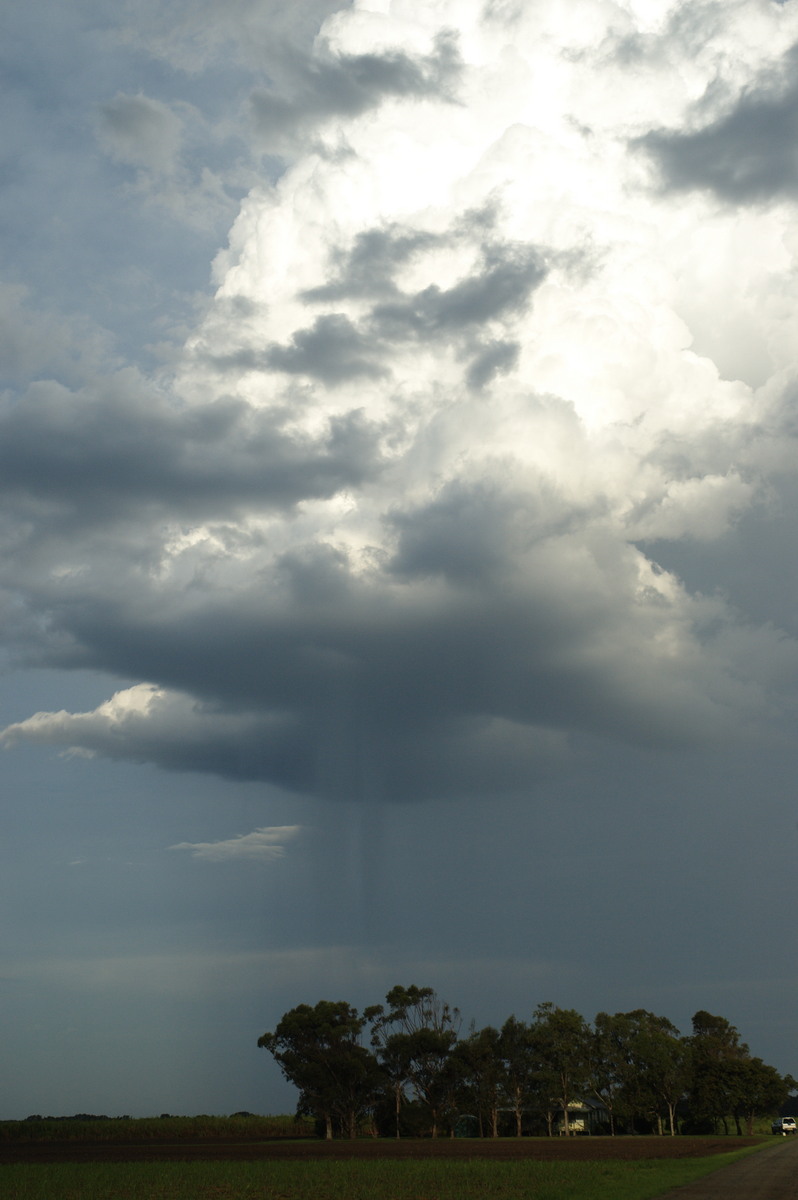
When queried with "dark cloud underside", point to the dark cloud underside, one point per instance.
{"points": [[748, 156]]}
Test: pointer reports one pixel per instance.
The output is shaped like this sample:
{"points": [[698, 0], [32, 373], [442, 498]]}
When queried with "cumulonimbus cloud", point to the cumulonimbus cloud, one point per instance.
{"points": [[391, 530]]}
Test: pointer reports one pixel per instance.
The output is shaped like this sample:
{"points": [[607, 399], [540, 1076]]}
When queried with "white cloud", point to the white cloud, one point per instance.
{"points": [[702, 508], [263, 845]]}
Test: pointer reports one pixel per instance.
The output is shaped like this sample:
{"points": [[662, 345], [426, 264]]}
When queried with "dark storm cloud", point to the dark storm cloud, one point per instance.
{"points": [[315, 752], [473, 533], [348, 701], [336, 350], [503, 287], [748, 156], [501, 284], [348, 85], [369, 267], [108, 454], [496, 358], [332, 350], [499, 624]]}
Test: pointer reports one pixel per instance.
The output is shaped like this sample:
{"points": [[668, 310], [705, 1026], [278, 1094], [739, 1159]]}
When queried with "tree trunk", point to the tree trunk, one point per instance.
{"points": [[327, 1127]]}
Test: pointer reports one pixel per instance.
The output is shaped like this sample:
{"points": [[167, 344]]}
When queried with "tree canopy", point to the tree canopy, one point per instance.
{"points": [[320, 1052], [403, 1067]]}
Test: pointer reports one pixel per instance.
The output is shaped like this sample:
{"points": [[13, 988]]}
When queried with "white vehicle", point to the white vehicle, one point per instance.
{"points": [[784, 1125]]}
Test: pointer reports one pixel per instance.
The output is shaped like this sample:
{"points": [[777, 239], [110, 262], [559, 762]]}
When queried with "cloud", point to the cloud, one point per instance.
{"points": [[494, 283], [705, 508], [341, 85], [502, 286], [262, 845], [194, 36], [393, 525], [141, 131], [332, 350], [368, 268], [98, 454], [160, 141], [492, 360], [36, 344], [745, 156]]}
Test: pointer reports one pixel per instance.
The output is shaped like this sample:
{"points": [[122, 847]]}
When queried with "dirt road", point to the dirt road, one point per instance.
{"points": [[772, 1174]]}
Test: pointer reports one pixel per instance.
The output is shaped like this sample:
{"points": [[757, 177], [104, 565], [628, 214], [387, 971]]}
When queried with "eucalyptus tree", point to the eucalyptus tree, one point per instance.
{"points": [[715, 1049], [609, 1066], [477, 1067], [319, 1051], [414, 1039], [520, 1067], [658, 1064], [758, 1089], [561, 1048]]}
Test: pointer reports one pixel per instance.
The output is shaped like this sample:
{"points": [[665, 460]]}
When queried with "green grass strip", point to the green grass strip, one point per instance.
{"points": [[475, 1179]]}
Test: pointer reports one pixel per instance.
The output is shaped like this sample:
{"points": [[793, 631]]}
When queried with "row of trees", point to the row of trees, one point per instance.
{"points": [[417, 1073]]}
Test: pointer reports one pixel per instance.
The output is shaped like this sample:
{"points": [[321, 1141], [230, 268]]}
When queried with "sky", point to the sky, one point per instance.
{"points": [[398, 444]]}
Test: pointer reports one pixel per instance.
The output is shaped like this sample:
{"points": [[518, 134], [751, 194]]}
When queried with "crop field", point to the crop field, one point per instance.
{"points": [[152, 1130], [532, 1169]]}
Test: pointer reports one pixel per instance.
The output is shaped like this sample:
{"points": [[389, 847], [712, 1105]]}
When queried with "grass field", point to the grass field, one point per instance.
{"points": [[475, 1179]]}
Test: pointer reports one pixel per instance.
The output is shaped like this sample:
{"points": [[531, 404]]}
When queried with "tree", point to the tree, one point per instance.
{"points": [[520, 1067], [414, 1039], [715, 1047], [476, 1064], [726, 1080], [758, 1090], [561, 1042], [609, 1067], [319, 1051], [657, 1066]]}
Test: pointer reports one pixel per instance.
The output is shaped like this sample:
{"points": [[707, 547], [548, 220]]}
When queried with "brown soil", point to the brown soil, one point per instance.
{"points": [[505, 1149]]}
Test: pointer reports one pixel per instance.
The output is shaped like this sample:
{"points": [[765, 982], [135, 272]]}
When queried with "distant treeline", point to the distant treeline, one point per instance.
{"points": [[81, 1117], [405, 1069], [91, 1127]]}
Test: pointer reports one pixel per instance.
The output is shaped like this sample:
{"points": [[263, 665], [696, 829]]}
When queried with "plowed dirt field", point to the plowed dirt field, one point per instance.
{"points": [[573, 1149]]}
